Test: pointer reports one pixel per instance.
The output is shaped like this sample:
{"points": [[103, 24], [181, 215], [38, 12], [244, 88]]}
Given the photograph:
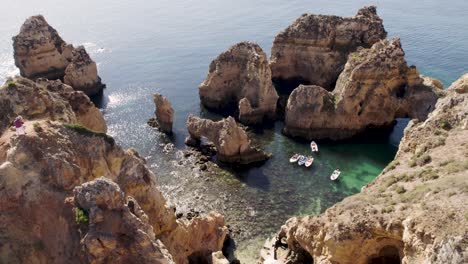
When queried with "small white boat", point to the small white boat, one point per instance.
{"points": [[302, 160], [313, 146], [309, 161], [294, 158], [335, 174]]}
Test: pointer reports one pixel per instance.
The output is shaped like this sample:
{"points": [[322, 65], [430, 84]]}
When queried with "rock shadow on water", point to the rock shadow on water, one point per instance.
{"points": [[252, 174]]}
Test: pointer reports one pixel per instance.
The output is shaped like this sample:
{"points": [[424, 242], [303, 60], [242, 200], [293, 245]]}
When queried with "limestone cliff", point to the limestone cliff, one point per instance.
{"points": [[314, 48], [239, 80], [39, 51], [40, 170], [376, 87], [116, 229], [415, 211], [231, 141], [51, 100]]}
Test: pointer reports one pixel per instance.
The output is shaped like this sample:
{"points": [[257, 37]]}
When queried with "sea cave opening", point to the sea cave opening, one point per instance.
{"points": [[387, 255]]}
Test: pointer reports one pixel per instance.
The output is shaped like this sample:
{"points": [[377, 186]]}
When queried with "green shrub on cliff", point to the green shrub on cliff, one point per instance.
{"points": [[11, 84], [81, 216], [88, 132]]}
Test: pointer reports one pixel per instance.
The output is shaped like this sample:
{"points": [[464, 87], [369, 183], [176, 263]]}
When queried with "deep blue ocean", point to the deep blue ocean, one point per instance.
{"points": [[143, 47]]}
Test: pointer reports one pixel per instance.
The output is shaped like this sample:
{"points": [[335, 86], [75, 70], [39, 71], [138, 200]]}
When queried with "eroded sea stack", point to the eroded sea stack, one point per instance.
{"points": [[164, 114], [315, 48], [123, 217], [376, 87], [415, 211], [239, 81], [231, 141], [40, 52]]}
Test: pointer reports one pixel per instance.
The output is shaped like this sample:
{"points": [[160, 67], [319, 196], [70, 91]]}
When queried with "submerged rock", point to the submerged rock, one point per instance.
{"points": [[39, 51], [413, 212], [314, 48], [50, 100], [239, 80], [164, 114], [375, 87], [231, 141]]}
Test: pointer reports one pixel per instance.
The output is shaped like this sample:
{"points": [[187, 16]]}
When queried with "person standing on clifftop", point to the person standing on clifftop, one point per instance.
{"points": [[19, 125]]}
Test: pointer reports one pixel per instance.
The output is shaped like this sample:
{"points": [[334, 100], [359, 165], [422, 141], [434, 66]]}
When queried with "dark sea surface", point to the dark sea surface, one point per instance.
{"points": [[143, 47]]}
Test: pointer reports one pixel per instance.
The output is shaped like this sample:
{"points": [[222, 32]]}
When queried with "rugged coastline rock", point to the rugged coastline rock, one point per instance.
{"points": [[164, 114], [39, 51], [44, 99], [117, 229], [413, 212], [375, 87], [239, 80], [39, 171], [314, 48], [231, 141]]}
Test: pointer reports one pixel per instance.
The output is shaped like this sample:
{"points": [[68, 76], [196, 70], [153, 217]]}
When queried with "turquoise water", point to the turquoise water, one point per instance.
{"points": [[166, 46]]}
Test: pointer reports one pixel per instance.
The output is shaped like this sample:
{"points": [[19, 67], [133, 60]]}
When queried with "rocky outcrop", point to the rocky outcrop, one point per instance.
{"points": [[40, 170], [81, 73], [51, 100], [239, 80], [39, 51], [116, 229], [314, 48], [64, 147], [413, 212], [164, 114], [231, 141], [375, 87]]}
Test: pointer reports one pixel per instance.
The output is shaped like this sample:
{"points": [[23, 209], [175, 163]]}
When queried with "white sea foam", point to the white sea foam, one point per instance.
{"points": [[7, 67], [93, 48]]}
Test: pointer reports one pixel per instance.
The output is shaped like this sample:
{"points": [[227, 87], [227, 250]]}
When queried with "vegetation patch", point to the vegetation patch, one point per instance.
{"points": [[392, 165], [428, 174], [11, 84], [424, 159], [387, 209], [456, 166], [444, 124], [39, 245], [391, 180], [88, 132], [81, 217], [37, 127], [400, 189]]}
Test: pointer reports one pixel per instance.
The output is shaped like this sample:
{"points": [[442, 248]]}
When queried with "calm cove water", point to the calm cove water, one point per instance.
{"points": [[146, 46]]}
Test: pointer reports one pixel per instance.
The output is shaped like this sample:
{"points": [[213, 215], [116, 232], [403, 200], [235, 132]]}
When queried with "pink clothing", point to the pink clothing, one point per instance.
{"points": [[18, 123]]}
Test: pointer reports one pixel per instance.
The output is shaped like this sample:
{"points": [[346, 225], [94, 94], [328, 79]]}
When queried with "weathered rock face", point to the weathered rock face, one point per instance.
{"points": [[231, 141], [314, 49], [39, 170], [117, 229], [82, 74], [240, 79], [414, 212], [50, 100], [164, 113], [375, 87], [39, 51]]}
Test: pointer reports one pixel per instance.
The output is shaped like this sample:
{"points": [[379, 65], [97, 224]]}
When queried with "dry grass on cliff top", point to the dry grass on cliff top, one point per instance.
{"points": [[427, 181]]}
